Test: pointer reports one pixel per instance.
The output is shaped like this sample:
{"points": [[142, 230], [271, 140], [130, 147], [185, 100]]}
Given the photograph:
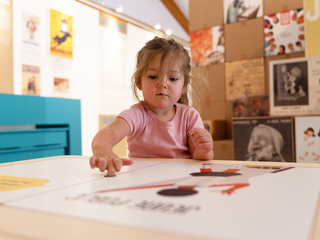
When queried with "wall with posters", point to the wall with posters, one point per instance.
{"points": [[268, 69], [59, 76], [60, 53]]}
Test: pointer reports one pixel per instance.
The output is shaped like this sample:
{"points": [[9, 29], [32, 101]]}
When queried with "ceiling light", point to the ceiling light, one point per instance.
{"points": [[119, 9], [157, 26], [168, 32]]}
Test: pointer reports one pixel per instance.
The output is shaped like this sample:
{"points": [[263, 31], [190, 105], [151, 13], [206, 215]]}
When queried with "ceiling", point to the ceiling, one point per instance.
{"points": [[152, 12]]}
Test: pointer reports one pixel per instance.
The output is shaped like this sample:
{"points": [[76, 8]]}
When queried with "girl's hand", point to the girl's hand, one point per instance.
{"points": [[202, 142], [111, 162]]}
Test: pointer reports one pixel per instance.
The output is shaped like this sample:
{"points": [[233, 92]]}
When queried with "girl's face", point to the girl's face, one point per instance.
{"points": [[162, 91]]}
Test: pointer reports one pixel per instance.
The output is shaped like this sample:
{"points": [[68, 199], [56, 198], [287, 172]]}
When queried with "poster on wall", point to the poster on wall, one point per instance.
{"points": [[61, 36], [60, 85], [207, 46], [263, 139], [312, 23], [244, 78], [30, 80], [254, 106], [294, 86], [241, 10], [307, 133], [30, 38], [284, 32], [30, 29]]}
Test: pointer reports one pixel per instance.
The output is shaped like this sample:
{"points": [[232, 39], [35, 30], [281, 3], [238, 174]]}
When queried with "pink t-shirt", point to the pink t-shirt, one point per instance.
{"points": [[152, 138]]}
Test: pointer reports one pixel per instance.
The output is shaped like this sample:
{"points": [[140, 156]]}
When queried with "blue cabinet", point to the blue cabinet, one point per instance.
{"points": [[34, 127]]}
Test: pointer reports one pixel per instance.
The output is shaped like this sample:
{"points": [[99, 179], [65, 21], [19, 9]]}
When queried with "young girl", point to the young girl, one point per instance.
{"points": [[162, 125]]}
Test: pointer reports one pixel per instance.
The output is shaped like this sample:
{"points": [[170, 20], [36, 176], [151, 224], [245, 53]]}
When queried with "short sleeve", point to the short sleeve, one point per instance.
{"points": [[194, 120], [134, 117]]}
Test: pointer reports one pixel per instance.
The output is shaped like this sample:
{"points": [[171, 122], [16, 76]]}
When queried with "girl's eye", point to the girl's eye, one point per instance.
{"points": [[153, 77], [173, 79]]}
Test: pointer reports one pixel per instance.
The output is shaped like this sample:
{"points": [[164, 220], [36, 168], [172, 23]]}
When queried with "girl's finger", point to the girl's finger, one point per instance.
{"points": [[102, 164], [92, 162], [111, 169], [117, 163], [126, 162], [206, 145]]}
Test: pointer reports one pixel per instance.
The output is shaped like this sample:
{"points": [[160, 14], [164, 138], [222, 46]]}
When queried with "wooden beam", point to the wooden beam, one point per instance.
{"points": [[177, 14]]}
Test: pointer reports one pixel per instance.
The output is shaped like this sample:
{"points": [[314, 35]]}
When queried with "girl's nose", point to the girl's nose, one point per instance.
{"points": [[163, 82]]}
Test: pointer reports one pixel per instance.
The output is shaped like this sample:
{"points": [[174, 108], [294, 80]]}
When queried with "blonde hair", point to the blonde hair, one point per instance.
{"points": [[171, 51]]}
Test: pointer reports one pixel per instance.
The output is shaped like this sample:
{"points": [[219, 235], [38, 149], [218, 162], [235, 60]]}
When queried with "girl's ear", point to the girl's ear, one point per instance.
{"points": [[138, 84]]}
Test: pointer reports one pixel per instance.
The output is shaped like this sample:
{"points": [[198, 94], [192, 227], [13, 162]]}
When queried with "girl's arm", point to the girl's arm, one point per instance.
{"points": [[200, 144], [102, 147]]}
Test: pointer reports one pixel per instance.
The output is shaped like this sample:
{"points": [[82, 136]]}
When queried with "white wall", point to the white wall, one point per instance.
{"points": [[83, 71], [137, 38]]}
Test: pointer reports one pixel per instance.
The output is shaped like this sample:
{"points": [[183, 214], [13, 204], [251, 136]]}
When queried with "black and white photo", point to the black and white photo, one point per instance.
{"points": [[294, 86], [268, 139]]}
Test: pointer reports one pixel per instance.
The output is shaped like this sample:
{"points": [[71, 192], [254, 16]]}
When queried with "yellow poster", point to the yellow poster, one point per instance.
{"points": [[312, 27], [9, 183], [60, 34]]}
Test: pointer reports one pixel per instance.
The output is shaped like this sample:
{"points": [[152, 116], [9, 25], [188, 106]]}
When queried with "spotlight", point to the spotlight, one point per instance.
{"points": [[157, 26], [119, 9], [168, 32]]}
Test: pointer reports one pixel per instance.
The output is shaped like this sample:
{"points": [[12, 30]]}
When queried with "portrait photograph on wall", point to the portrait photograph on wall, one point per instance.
{"points": [[254, 106], [307, 139], [207, 46], [264, 139], [284, 32], [294, 86], [241, 10]]}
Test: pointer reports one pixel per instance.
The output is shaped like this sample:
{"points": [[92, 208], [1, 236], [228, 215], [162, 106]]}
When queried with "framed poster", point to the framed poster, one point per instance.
{"points": [[241, 10], [30, 29], [30, 80], [294, 86], [207, 46], [307, 139], [244, 78], [61, 35], [268, 139], [284, 32], [60, 85]]}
